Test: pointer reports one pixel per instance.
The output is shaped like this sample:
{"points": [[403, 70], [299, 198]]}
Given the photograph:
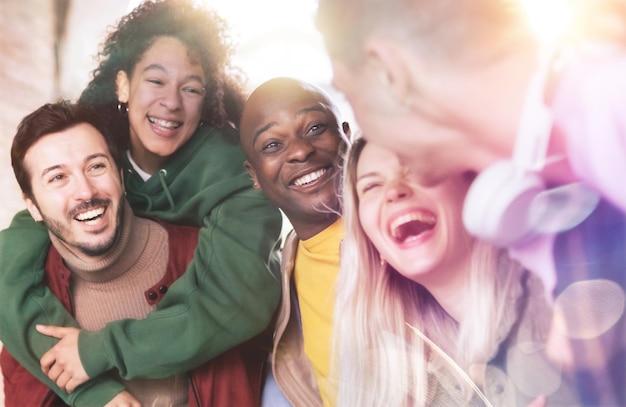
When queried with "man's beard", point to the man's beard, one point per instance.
{"points": [[59, 230]]}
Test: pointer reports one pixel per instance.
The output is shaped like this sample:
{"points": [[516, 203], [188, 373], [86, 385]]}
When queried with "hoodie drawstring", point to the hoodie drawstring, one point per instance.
{"points": [[170, 198]]}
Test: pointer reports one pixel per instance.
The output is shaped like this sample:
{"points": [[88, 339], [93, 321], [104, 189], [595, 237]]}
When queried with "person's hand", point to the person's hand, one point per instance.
{"points": [[123, 399], [62, 362], [540, 401]]}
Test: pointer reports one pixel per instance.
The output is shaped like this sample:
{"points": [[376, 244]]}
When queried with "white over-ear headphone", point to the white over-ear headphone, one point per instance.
{"points": [[507, 204]]}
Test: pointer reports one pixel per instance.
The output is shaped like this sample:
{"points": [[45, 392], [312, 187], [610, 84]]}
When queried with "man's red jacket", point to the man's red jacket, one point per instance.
{"points": [[232, 379]]}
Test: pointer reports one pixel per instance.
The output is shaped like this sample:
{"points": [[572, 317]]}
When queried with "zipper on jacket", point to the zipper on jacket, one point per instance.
{"points": [[47, 401], [196, 398], [71, 298]]}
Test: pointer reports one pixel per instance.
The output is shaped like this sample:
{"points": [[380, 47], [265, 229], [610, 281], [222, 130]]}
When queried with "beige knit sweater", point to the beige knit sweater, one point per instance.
{"points": [[113, 287]]}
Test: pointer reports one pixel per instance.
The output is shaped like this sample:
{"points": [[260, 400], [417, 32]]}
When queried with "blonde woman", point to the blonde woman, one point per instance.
{"points": [[426, 314]]}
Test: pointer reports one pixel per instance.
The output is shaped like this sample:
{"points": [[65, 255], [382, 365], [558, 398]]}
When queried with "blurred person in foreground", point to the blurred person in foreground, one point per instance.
{"points": [[456, 86]]}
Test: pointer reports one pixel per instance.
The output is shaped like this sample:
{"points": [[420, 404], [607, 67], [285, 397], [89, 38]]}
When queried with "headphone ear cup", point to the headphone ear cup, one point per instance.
{"points": [[497, 203]]}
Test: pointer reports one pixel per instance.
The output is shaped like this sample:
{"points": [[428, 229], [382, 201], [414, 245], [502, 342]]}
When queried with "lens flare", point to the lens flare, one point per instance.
{"points": [[549, 19]]}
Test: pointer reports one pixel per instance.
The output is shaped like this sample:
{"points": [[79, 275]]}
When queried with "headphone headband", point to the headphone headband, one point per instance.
{"points": [[535, 125]]}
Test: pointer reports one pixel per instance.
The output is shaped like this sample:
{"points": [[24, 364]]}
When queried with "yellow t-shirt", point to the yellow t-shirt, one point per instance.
{"points": [[316, 269]]}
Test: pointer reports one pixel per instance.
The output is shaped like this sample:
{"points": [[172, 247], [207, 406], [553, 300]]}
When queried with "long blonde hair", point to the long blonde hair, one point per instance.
{"points": [[379, 360]]}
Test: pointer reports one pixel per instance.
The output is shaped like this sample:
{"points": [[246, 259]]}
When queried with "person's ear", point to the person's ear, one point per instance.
{"points": [[122, 87], [392, 68], [346, 130], [32, 208], [252, 172], [347, 133]]}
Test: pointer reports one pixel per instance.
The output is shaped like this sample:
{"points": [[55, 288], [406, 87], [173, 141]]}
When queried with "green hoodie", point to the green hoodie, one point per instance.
{"points": [[227, 296]]}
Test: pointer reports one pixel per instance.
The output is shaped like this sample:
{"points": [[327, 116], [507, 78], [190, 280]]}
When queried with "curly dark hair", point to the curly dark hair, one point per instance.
{"points": [[202, 30]]}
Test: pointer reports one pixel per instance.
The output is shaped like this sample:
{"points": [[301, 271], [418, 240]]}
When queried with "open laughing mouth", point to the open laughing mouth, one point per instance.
{"points": [[164, 124], [91, 217], [411, 226], [309, 178]]}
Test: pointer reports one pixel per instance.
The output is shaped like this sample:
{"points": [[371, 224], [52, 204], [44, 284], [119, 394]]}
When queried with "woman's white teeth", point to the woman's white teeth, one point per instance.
{"points": [[307, 179], [90, 216], [164, 123], [411, 224]]}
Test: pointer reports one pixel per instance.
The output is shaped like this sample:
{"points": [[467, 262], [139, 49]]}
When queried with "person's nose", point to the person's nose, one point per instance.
{"points": [[300, 150], [171, 98], [397, 190], [84, 189]]}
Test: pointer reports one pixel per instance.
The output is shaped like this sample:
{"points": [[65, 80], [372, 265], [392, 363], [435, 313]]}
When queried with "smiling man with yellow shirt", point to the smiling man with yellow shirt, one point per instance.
{"points": [[294, 143]]}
